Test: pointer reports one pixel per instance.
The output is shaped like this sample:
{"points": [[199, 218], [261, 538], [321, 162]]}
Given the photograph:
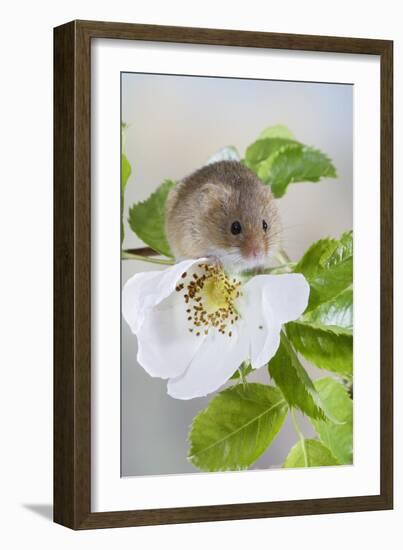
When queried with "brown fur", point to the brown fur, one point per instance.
{"points": [[201, 208]]}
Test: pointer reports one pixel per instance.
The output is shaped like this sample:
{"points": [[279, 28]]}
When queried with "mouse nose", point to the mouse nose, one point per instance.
{"points": [[253, 250]]}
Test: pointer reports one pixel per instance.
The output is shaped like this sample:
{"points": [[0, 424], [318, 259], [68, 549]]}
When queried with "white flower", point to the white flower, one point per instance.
{"points": [[195, 325]]}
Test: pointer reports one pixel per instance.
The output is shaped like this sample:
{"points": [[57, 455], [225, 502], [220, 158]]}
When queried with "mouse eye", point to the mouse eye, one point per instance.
{"points": [[236, 228], [264, 224]]}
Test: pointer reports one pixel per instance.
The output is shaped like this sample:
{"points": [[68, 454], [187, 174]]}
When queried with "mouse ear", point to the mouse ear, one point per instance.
{"points": [[215, 195]]}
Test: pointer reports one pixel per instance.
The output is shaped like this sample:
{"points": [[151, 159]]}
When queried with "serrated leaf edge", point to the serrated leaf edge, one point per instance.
{"points": [[141, 203]]}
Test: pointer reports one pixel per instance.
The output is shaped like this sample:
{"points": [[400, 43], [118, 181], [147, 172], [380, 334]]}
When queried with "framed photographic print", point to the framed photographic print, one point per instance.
{"points": [[222, 275]]}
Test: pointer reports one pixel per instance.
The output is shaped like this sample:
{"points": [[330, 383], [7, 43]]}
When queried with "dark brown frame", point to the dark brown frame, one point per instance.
{"points": [[72, 215]]}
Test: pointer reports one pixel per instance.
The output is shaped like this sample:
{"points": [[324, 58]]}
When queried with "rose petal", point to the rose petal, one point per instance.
{"points": [[270, 301], [286, 295], [263, 330], [133, 300], [165, 345], [215, 362], [145, 290]]}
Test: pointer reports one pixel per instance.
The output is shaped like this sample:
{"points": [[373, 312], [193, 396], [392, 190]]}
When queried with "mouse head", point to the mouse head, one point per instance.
{"points": [[242, 224]]}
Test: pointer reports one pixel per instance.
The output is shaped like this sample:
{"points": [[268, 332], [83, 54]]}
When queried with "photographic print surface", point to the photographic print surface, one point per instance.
{"points": [[237, 254]]}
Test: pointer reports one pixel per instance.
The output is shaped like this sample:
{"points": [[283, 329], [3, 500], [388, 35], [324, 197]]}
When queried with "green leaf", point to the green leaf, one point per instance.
{"points": [[295, 164], [309, 453], [328, 267], [226, 153], [337, 437], [277, 131], [262, 149], [337, 312], [329, 348], [324, 335], [236, 427], [279, 161], [147, 219], [126, 170], [294, 382], [125, 174]]}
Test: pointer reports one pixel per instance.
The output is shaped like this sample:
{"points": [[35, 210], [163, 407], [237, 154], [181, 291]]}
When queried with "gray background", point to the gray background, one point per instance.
{"points": [[175, 124]]}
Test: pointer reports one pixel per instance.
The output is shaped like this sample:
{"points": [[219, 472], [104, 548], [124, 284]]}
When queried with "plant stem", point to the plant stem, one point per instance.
{"points": [[301, 437], [283, 258], [242, 378], [131, 256]]}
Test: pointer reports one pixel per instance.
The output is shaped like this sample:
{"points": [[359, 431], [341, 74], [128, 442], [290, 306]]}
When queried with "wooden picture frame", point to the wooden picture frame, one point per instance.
{"points": [[72, 272]]}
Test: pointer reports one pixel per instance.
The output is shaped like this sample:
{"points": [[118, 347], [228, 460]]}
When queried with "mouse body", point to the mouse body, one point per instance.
{"points": [[224, 212]]}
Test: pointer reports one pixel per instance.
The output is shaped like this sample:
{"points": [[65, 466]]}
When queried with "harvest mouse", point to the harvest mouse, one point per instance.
{"points": [[223, 211]]}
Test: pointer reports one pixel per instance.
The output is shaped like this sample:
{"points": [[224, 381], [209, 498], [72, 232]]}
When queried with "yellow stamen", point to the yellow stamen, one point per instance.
{"points": [[212, 296]]}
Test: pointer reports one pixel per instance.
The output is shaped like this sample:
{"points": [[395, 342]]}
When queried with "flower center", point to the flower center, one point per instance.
{"points": [[214, 294], [210, 297]]}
